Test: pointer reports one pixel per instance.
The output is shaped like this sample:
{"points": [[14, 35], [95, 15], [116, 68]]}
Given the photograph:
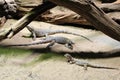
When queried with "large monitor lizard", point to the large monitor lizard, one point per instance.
{"points": [[50, 39], [85, 64], [45, 32]]}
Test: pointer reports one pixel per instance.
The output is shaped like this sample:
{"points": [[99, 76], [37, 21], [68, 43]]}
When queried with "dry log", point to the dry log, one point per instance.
{"points": [[63, 17], [83, 7], [67, 16], [8, 32], [93, 14], [60, 15]]}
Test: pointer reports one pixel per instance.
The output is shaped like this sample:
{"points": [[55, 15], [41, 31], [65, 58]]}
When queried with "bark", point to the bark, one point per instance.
{"points": [[63, 17], [94, 15], [8, 32]]}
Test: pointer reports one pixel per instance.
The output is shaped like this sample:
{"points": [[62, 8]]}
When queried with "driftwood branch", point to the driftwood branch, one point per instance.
{"points": [[83, 7], [24, 21], [63, 17], [106, 7], [94, 15]]}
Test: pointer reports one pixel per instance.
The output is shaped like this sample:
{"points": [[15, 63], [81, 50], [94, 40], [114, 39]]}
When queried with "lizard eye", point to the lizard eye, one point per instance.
{"points": [[69, 46]]}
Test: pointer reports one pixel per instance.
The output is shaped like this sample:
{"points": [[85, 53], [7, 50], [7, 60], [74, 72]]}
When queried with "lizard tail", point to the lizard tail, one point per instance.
{"points": [[22, 44], [102, 67], [60, 31], [33, 43]]}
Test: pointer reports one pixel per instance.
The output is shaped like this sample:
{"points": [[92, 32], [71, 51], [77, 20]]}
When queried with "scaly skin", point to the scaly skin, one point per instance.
{"points": [[52, 40], [85, 64], [42, 33]]}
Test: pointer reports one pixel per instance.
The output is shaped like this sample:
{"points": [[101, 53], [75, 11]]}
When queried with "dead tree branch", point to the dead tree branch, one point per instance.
{"points": [[85, 8], [94, 15], [8, 32], [64, 17]]}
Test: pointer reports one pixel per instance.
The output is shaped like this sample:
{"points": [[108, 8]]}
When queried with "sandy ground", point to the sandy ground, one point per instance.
{"points": [[14, 69], [20, 68]]}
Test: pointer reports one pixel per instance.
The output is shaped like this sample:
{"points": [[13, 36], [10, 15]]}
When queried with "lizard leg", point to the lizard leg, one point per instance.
{"points": [[46, 35], [85, 66], [34, 35], [51, 44]]}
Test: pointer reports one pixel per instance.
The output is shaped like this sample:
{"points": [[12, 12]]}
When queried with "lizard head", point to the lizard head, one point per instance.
{"points": [[69, 44], [69, 57]]}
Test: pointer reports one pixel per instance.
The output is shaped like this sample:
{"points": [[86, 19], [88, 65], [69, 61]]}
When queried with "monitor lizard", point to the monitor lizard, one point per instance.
{"points": [[43, 33], [84, 63], [50, 39]]}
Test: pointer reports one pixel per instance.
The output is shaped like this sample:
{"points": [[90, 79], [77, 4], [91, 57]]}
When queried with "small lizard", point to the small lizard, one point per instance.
{"points": [[52, 40], [43, 33], [85, 64]]}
